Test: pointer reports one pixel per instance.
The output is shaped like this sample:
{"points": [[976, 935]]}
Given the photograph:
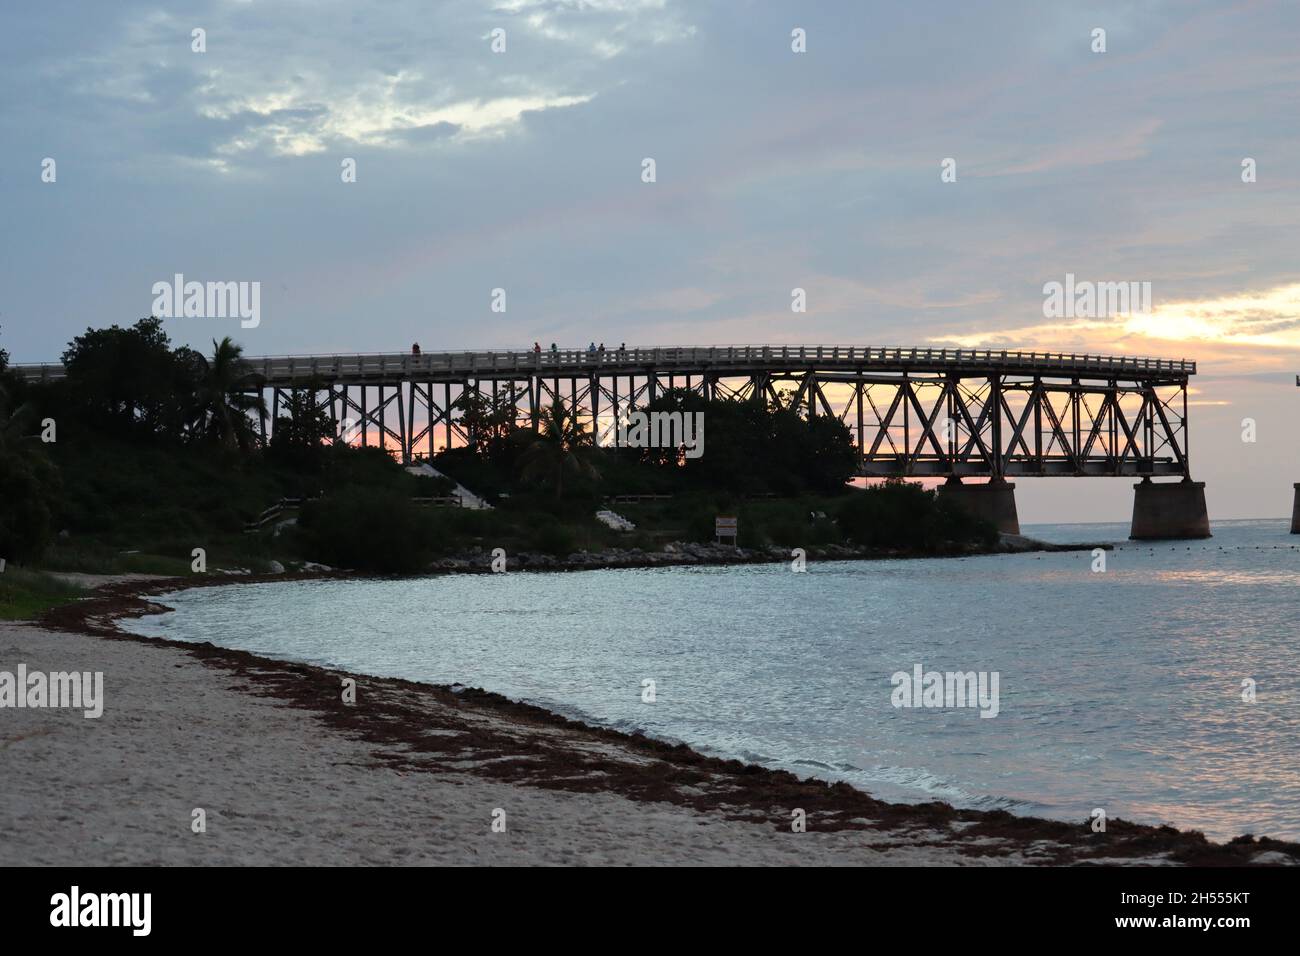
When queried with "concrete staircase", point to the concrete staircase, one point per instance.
{"points": [[467, 498], [613, 519]]}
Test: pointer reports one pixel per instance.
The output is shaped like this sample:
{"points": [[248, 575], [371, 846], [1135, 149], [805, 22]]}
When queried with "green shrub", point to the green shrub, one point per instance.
{"points": [[28, 492], [905, 516], [551, 537], [376, 530]]}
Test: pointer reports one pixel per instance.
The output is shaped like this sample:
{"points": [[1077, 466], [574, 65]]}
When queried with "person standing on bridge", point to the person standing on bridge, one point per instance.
{"points": [[591, 348], [415, 348], [537, 348]]}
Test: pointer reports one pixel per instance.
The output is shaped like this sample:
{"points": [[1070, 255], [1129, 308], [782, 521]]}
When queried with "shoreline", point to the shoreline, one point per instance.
{"points": [[682, 554], [693, 554], [433, 731]]}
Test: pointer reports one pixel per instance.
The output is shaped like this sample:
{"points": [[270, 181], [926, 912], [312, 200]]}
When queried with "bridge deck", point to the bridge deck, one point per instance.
{"points": [[911, 411], [394, 367]]}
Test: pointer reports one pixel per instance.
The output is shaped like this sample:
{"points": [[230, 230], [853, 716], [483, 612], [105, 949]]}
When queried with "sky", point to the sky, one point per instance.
{"points": [[822, 170]]}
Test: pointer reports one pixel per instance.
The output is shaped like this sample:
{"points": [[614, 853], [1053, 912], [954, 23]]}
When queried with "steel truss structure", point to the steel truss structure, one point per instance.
{"points": [[911, 411]]}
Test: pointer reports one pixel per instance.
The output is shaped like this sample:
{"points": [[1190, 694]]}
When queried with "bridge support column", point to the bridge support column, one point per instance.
{"points": [[994, 501], [1169, 510], [1295, 511]]}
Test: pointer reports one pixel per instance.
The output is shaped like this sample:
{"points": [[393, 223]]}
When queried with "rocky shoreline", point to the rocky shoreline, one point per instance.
{"points": [[686, 553]]}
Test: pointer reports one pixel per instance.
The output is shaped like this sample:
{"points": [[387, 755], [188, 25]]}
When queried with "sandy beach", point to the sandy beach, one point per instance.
{"points": [[287, 773]]}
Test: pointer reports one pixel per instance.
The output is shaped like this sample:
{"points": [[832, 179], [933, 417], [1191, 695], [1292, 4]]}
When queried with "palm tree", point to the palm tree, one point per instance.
{"points": [[223, 400], [563, 445]]}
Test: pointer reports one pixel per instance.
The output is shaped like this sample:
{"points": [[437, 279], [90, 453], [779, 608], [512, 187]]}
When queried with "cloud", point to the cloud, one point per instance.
{"points": [[1268, 318], [605, 28], [294, 122], [293, 80], [1087, 148]]}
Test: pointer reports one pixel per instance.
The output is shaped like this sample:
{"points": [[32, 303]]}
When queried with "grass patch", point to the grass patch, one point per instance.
{"points": [[26, 594], [89, 556]]}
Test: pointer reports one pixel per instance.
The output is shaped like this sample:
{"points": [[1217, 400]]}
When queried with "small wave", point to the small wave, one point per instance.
{"points": [[927, 785], [1010, 804], [828, 767], [814, 763]]}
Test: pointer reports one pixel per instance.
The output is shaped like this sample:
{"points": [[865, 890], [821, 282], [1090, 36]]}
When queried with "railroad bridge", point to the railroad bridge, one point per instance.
{"points": [[975, 417]]}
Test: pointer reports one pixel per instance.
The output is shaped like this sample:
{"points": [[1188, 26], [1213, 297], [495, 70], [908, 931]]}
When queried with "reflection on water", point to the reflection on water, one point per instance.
{"points": [[1120, 690]]}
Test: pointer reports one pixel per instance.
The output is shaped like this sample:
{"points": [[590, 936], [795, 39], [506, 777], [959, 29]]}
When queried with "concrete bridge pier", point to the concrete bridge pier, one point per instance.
{"points": [[1169, 510], [995, 501]]}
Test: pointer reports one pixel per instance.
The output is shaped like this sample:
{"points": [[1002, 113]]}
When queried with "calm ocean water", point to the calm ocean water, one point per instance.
{"points": [[1120, 689]]}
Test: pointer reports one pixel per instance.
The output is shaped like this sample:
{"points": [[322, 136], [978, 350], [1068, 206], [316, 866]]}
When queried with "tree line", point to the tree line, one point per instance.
{"points": [[130, 385]]}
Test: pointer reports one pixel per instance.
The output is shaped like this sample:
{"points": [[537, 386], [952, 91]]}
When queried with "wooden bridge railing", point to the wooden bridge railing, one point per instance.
{"points": [[400, 365]]}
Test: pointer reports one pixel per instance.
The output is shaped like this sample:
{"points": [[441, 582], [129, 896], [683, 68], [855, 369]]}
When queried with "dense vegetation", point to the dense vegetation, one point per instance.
{"points": [[146, 451], [750, 448]]}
